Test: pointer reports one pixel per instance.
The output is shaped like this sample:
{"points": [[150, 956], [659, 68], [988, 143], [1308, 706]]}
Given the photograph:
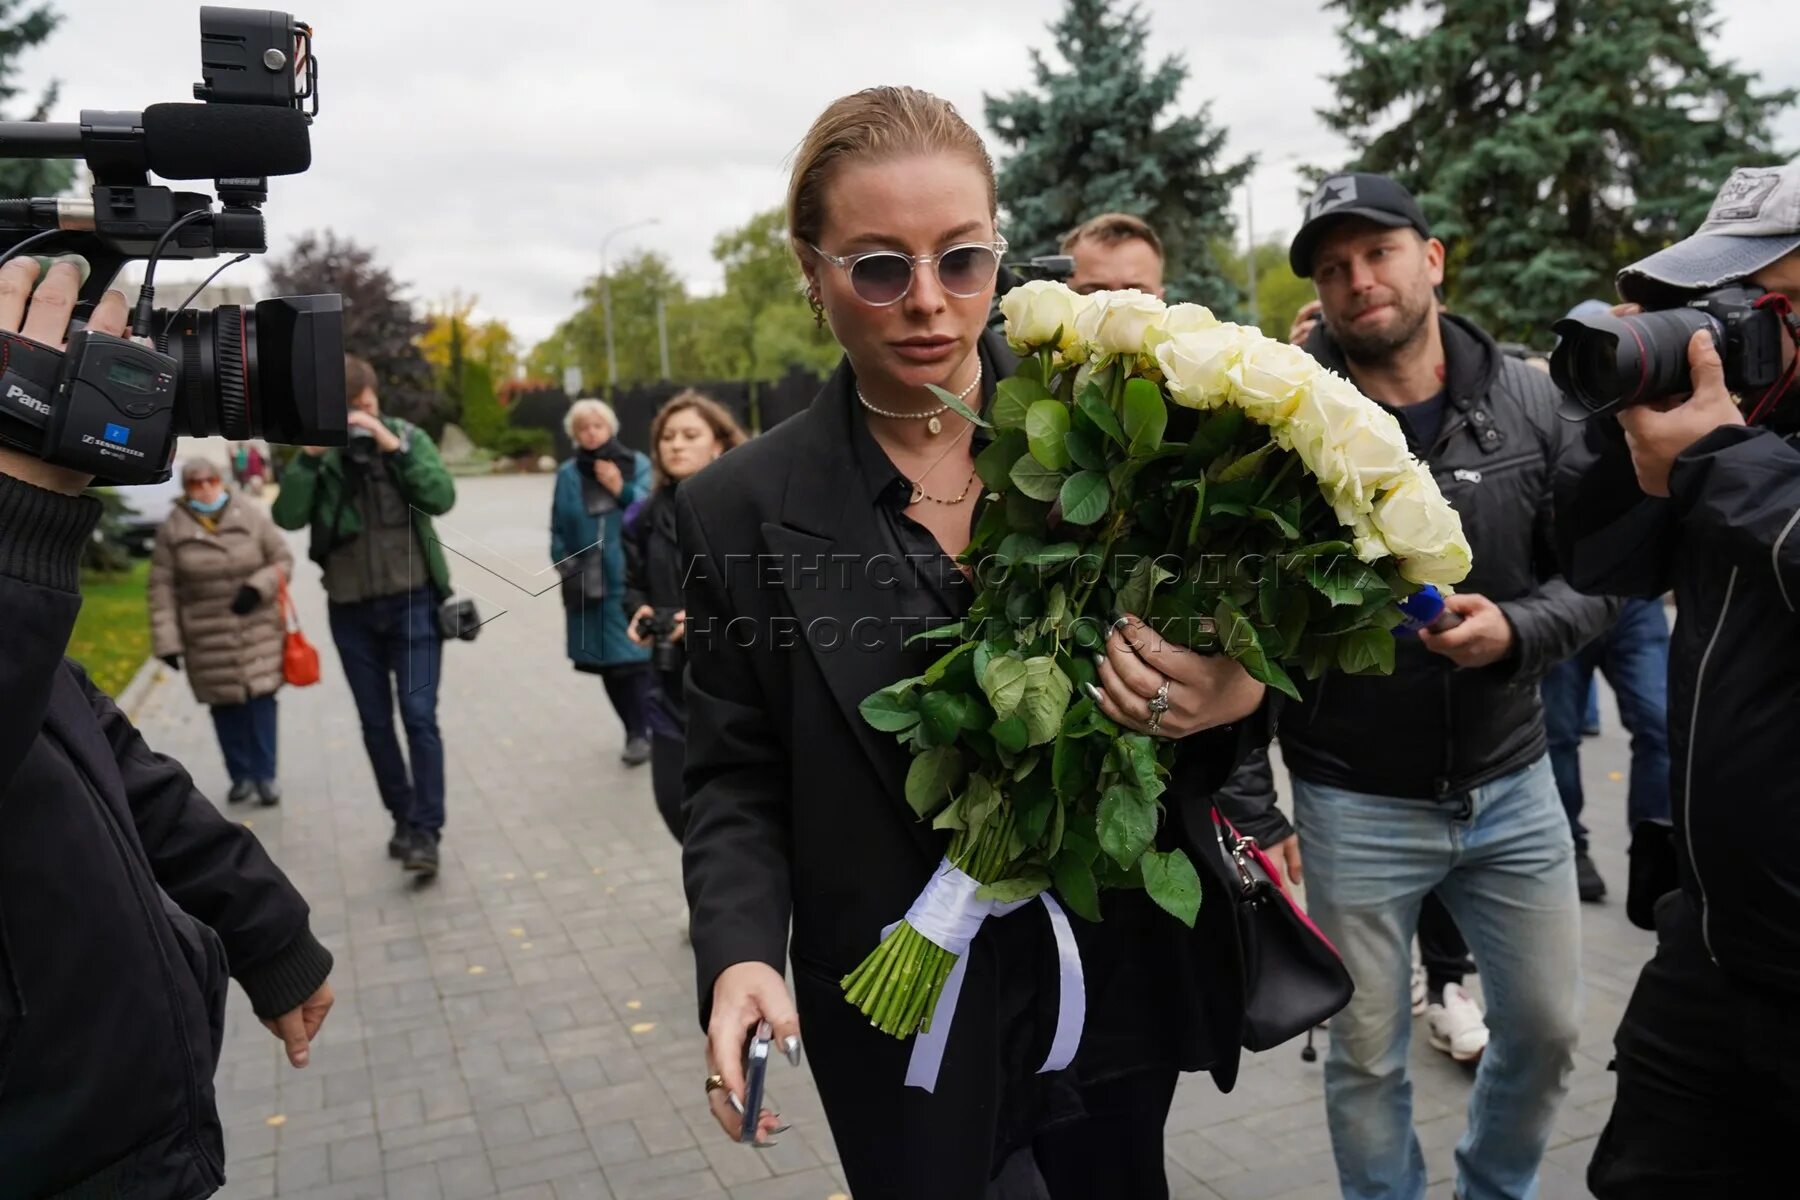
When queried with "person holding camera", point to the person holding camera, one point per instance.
{"points": [[594, 487], [370, 506], [217, 570], [1692, 482], [689, 432], [127, 900]]}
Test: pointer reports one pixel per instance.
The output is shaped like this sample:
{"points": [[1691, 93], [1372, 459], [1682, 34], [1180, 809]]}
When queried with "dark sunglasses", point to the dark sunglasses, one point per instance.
{"points": [[883, 277]]}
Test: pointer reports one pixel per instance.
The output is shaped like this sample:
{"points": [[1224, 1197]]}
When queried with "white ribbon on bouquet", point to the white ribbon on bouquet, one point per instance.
{"points": [[948, 914]]}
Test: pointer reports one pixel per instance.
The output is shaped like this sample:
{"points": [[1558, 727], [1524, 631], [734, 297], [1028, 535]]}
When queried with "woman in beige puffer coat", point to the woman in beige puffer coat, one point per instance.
{"points": [[215, 576]]}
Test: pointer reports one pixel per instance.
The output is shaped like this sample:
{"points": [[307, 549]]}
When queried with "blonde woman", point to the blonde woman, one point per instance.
{"points": [[216, 570]]}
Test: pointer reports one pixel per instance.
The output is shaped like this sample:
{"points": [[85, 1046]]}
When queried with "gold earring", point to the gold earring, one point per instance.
{"points": [[818, 308]]}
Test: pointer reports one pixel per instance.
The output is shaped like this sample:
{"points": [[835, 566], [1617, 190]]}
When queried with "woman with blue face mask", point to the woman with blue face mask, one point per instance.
{"points": [[216, 572]]}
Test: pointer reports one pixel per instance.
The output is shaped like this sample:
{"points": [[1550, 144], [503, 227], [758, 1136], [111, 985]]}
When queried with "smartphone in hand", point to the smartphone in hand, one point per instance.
{"points": [[756, 1069]]}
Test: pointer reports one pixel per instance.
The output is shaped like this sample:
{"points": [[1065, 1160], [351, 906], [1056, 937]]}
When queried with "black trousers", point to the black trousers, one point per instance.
{"points": [[1709, 1079], [1117, 1149], [1441, 946]]}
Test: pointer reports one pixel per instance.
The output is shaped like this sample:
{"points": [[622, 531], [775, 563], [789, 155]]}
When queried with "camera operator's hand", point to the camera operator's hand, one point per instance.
{"points": [[680, 630], [631, 626], [299, 1026], [609, 476], [43, 316], [1483, 637], [385, 441], [1659, 432], [1305, 321]]}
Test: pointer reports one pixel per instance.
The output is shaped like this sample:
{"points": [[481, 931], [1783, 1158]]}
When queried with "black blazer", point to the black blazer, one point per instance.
{"points": [[796, 810]]}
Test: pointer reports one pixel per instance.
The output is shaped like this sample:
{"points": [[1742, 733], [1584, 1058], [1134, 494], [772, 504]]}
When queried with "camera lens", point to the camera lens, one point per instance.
{"points": [[275, 371], [1606, 360]]}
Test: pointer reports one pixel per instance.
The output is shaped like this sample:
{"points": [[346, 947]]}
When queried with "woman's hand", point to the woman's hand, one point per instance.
{"points": [[631, 626], [1204, 690], [744, 994], [680, 626], [609, 476]]}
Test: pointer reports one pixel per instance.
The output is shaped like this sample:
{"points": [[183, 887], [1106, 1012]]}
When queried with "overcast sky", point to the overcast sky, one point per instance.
{"points": [[489, 147]]}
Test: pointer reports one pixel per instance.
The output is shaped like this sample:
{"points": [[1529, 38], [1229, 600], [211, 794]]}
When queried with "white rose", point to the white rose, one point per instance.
{"points": [[1197, 365], [1267, 380], [1119, 322], [1179, 319], [1423, 531], [1041, 313], [1353, 445], [1366, 540]]}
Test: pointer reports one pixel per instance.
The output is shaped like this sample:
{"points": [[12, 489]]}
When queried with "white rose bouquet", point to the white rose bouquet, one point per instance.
{"points": [[1281, 524]]}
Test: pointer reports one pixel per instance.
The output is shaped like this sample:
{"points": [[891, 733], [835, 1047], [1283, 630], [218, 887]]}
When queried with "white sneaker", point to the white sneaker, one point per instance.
{"points": [[1456, 1025], [1418, 989]]}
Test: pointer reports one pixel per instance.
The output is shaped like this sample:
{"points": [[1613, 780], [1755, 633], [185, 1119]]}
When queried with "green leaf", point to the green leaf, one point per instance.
{"points": [[1023, 514], [1140, 585], [1068, 767], [1140, 762], [1016, 549], [1199, 486], [956, 405], [1366, 652], [1146, 415], [1291, 623], [1085, 497], [1280, 522], [951, 818], [1046, 427], [1013, 398], [1023, 886], [1032, 807], [1215, 436], [1127, 823], [1056, 607], [980, 801], [1075, 884], [1036, 480], [1011, 733], [932, 777], [1004, 682], [938, 633], [1088, 635], [891, 711], [1093, 405], [1055, 554], [1330, 576], [1173, 883], [938, 669], [1045, 700], [1245, 467], [994, 463], [1083, 452]]}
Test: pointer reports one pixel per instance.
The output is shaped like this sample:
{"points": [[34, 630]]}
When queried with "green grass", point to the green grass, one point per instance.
{"points": [[112, 634]]}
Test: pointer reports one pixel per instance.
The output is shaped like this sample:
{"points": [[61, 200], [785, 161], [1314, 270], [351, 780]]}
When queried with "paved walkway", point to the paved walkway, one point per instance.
{"points": [[524, 1026]]}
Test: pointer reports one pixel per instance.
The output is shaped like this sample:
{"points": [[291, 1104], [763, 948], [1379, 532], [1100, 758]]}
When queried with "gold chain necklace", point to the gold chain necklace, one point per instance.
{"points": [[918, 493], [933, 425]]}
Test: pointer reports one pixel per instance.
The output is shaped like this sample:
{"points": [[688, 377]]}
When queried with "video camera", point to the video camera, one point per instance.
{"points": [[1058, 268], [112, 407], [1606, 361]]}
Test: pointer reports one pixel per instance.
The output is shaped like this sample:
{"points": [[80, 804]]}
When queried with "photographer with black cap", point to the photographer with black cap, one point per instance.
{"points": [[126, 899], [1701, 493]]}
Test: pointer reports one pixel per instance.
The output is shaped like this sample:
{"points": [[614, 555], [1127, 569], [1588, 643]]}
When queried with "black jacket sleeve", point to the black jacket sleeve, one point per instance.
{"points": [[736, 849], [1738, 489], [635, 537], [1610, 537], [1248, 801], [1555, 620], [216, 871]]}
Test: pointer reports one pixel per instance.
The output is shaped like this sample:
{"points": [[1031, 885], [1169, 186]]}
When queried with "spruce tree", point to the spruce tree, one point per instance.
{"points": [[19, 32], [1096, 134], [1549, 143]]}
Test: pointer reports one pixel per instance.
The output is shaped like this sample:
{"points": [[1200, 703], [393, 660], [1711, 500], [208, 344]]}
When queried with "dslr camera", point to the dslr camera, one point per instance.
{"points": [[113, 407], [1609, 362], [657, 628]]}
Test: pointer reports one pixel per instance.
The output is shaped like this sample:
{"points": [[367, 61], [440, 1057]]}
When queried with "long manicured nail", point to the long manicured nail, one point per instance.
{"points": [[791, 1046], [765, 1145], [1093, 692], [783, 1128], [735, 1102]]}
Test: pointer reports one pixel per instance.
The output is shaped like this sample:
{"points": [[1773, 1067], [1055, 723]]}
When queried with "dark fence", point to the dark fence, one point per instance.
{"points": [[758, 407]]}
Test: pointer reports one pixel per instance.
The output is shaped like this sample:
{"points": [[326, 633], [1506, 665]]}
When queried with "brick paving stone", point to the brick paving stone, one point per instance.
{"points": [[472, 1055]]}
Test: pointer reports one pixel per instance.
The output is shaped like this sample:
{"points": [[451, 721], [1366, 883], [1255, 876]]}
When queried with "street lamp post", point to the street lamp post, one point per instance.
{"points": [[612, 363]]}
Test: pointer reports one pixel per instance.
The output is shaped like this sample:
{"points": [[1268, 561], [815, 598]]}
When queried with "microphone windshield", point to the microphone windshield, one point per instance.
{"points": [[220, 141]]}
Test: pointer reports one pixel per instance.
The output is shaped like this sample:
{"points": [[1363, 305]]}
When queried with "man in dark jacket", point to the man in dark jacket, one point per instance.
{"points": [[126, 900], [1435, 778], [1693, 497]]}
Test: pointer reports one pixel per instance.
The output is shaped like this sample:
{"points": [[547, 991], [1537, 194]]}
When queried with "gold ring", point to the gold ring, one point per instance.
{"points": [[715, 1083]]}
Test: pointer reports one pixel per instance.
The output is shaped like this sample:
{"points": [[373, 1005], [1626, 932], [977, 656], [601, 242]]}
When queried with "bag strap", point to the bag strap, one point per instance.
{"points": [[289, 614]]}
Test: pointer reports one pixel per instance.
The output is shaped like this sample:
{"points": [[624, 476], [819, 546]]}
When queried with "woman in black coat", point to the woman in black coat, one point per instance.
{"points": [[688, 433], [810, 554]]}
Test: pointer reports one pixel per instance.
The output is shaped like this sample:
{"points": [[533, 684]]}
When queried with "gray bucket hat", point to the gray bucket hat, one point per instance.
{"points": [[1754, 221]]}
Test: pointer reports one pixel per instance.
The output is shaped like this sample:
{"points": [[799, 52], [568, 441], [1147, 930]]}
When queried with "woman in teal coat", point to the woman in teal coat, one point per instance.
{"points": [[593, 490]]}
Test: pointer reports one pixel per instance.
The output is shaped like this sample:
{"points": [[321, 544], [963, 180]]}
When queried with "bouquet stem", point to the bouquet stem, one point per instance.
{"points": [[897, 986]]}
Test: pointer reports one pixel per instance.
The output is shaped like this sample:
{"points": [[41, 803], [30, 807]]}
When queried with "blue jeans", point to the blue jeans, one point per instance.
{"points": [[247, 738], [1501, 859], [391, 645], [1634, 657]]}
